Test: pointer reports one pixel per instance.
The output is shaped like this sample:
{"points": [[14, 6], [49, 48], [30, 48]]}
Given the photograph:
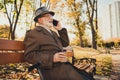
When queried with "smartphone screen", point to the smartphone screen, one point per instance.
{"points": [[55, 22]]}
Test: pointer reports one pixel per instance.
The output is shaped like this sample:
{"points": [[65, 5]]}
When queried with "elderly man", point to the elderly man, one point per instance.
{"points": [[45, 47]]}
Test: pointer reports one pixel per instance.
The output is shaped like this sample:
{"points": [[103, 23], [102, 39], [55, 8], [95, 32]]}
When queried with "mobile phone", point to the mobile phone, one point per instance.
{"points": [[55, 22]]}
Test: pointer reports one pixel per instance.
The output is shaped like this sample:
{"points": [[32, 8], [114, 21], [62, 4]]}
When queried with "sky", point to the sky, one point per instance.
{"points": [[103, 3], [106, 2], [3, 19]]}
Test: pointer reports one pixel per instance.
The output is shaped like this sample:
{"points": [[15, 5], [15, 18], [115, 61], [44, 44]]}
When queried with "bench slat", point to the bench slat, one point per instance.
{"points": [[11, 51], [6, 58], [11, 45]]}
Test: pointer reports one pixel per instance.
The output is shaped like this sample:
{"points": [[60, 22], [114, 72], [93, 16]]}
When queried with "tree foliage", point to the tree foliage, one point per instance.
{"points": [[12, 8], [4, 30], [15, 12], [75, 16]]}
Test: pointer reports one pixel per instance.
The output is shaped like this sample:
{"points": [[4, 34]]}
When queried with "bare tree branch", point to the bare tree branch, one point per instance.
{"points": [[18, 15]]}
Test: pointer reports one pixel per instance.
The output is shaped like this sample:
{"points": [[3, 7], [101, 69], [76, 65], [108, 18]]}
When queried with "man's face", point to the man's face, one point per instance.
{"points": [[46, 20]]}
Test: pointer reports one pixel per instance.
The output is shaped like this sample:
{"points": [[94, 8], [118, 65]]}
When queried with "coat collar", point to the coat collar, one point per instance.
{"points": [[46, 32], [39, 28]]}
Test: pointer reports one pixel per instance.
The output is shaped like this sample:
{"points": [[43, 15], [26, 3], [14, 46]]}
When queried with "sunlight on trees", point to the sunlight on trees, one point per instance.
{"points": [[74, 14], [4, 31], [70, 2], [15, 13], [43, 1], [12, 9]]}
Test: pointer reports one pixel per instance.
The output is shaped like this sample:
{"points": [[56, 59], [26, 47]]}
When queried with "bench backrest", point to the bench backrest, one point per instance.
{"points": [[11, 51]]}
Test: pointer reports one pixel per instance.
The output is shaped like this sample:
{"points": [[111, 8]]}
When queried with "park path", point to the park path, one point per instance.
{"points": [[116, 67], [115, 75]]}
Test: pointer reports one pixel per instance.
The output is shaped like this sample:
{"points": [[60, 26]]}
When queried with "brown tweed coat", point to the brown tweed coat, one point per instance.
{"points": [[40, 46]]}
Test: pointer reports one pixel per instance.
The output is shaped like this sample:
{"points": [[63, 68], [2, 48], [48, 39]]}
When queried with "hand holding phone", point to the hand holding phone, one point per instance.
{"points": [[55, 22], [57, 25]]}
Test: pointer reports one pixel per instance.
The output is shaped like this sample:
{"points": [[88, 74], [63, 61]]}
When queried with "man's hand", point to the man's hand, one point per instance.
{"points": [[60, 57], [58, 27]]}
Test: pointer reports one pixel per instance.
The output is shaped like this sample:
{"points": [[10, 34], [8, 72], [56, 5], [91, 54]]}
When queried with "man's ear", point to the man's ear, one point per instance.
{"points": [[40, 20]]}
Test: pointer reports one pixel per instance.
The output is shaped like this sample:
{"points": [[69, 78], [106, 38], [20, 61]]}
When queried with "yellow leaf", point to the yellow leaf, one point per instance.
{"points": [[54, 1], [70, 2], [43, 1]]}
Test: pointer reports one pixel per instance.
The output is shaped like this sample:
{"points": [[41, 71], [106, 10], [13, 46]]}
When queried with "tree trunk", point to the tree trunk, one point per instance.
{"points": [[13, 35], [94, 42], [12, 19], [81, 41], [91, 8]]}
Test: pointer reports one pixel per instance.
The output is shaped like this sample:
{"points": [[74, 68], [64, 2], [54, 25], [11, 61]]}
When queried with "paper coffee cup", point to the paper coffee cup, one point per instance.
{"points": [[69, 54]]}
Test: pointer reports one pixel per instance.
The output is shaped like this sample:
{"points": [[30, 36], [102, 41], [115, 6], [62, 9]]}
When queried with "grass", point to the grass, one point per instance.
{"points": [[103, 61]]}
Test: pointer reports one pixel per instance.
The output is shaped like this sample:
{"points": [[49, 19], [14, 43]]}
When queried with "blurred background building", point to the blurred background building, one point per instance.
{"points": [[109, 22], [114, 10]]}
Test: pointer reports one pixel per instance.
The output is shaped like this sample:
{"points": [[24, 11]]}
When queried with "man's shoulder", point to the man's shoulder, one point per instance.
{"points": [[33, 31], [30, 31]]}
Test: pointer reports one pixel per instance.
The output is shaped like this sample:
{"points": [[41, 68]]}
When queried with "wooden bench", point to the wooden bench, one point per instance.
{"points": [[12, 51]]}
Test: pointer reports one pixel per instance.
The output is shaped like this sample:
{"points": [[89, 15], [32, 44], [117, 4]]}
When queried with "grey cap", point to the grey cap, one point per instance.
{"points": [[41, 11]]}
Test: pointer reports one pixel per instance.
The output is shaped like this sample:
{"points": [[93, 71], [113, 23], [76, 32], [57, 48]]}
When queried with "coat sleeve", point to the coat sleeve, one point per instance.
{"points": [[64, 37], [32, 55]]}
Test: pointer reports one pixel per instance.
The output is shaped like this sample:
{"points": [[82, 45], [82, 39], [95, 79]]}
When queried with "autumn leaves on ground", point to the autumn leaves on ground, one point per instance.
{"points": [[20, 70]]}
